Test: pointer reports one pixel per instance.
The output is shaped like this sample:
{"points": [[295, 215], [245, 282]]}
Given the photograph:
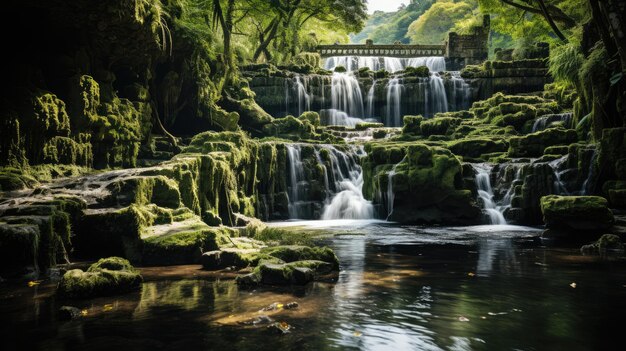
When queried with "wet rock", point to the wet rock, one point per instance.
{"points": [[569, 216], [608, 243], [108, 276], [67, 313]]}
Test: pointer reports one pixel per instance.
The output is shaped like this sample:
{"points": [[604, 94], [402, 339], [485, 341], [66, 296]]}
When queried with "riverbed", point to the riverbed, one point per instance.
{"points": [[399, 287]]}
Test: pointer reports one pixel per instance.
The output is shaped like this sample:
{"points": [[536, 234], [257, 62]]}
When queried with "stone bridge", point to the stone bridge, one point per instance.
{"points": [[459, 49]]}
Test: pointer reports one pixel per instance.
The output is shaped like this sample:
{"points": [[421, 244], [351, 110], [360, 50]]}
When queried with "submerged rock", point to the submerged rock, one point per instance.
{"points": [[108, 276], [67, 313], [606, 244]]}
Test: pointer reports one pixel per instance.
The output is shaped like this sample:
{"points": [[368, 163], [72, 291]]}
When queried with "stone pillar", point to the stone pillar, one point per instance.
{"points": [[468, 49]]}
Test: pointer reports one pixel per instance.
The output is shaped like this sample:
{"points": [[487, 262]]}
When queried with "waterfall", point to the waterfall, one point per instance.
{"points": [[390, 64], [460, 93], [393, 116], [302, 96], [559, 185], [346, 100], [590, 173], [342, 181], [370, 101], [436, 100], [434, 64], [349, 202], [545, 121], [296, 178], [390, 194], [485, 192]]}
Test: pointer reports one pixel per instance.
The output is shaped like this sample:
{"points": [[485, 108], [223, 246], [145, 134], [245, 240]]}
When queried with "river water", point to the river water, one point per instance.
{"points": [[399, 288]]}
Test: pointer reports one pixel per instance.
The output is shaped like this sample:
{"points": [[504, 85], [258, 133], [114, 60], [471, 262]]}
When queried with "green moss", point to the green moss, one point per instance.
{"points": [[19, 248], [299, 253], [534, 144], [421, 71], [311, 116], [412, 125], [108, 276], [476, 147], [576, 213], [439, 126]]}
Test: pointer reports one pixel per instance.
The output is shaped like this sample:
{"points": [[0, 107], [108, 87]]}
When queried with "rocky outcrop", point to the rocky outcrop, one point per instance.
{"points": [[572, 216], [108, 276]]}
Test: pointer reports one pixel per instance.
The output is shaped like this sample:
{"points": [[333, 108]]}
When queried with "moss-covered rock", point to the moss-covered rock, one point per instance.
{"points": [[108, 276], [608, 243], [576, 213], [476, 147], [533, 145], [303, 253]]}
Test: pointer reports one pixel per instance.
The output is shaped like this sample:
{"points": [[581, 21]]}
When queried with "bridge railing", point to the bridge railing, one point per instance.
{"points": [[394, 50]]}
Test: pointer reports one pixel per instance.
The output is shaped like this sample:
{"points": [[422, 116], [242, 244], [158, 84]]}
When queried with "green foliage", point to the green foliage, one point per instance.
{"points": [[565, 61], [433, 26]]}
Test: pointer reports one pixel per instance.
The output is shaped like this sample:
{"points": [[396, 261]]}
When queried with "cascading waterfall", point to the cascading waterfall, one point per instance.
{"points": [[485, 192], [461, 94], [590, 174], [559, 185], [393, 116], [390, 195], [390, 64], [370, 101], [545, 121], [349, 202], [346, 100], [342, 181], [302, 95], [436, 99], [296, 178]]}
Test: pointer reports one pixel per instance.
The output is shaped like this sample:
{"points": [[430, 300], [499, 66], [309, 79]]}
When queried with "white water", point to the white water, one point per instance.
{"points": [[302, 95], [346, 101], [436, 99], [546, 121], [393, 116], [343, 184], [391, 196], [460, 96], [296, 177], [370, 100], [349, 202], [390, 64], [485, 192]]}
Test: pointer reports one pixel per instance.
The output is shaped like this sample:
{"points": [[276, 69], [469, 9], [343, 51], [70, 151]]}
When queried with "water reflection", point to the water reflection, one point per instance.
{"points": [[400, 287]]}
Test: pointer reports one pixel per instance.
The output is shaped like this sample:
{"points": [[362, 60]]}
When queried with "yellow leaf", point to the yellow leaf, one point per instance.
{"points": [[471, 274], [33, 283], [573, 285], [84, 312], [357, 333], [107, 307], [280, 305]]}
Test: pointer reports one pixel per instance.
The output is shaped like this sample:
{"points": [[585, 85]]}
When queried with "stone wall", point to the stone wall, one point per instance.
{"points": [[468, 49]]}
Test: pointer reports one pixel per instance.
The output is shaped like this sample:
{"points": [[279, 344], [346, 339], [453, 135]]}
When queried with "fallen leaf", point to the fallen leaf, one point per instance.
{"points": [[107, 308], [573, 285], [471, 274], [279, 306], [463, 319], [84, 312], [483, 317], [33, 283], [357, 333]]}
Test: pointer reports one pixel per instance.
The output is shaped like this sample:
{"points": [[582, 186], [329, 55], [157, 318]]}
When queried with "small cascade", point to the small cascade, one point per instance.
{"points": [[346, 101], [349, 202], [335, 192], [390, 64], [557, 165], [545, 121], [302, 96], [370, 101], [485, 192], [585, 190], [393, 116], [296, 179], [460, 93], [390, 195], [434, 64], [436, 99]]}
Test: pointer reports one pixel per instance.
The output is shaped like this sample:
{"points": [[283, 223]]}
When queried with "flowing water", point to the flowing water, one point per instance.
{"points": [[485, 192], [565, 119], [399, 288]]}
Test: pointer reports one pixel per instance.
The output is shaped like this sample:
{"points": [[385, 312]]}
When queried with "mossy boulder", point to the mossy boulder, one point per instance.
{"points": [[576, 213], [412, 125], [299, 253], [421, 71], [476, 147], [19, 249], [608, 243], [108, 276], [533, 145], [439, 125]]}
